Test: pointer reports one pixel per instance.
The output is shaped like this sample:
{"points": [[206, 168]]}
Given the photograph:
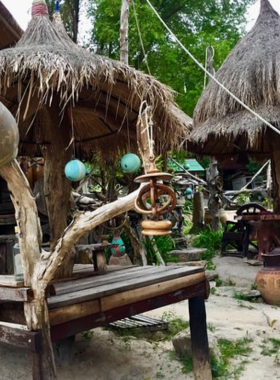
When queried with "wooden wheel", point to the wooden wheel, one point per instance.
{"points": [[250, 209]]}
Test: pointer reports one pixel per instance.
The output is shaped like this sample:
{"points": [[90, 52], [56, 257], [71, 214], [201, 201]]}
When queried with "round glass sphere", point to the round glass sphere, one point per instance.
{"points": [[188, 191], [130, 163], [9, 136], [75, 170]]}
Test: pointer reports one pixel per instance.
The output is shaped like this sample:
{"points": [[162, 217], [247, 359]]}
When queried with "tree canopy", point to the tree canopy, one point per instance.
{"points": [[197, 24]]}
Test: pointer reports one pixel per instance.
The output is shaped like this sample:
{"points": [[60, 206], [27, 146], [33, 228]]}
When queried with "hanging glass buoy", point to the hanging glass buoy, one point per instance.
{"points": [[9, 136], [130, 163], [75, 170]]}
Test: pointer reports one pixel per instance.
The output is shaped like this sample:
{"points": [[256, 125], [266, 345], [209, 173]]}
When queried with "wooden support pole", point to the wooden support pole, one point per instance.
{"points": [[199, 339]]}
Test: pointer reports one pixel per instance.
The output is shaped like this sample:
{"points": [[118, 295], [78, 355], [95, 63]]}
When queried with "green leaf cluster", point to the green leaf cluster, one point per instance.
{"points": [[196, 23]]}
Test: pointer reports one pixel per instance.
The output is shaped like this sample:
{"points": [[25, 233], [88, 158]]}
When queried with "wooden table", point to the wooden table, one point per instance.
{"points": [[80, 304]]}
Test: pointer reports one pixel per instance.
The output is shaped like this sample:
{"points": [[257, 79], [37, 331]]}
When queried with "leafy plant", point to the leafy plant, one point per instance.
{"points": [[211, 240], [164, 244], [175, 324], [220, 367]]}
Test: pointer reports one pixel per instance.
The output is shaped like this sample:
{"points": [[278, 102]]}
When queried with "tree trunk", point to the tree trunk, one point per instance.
{"points": [[198, 211], [124, 31], [212, 173], [36, 312], [57, 188], [213, 202], [26, 216]]}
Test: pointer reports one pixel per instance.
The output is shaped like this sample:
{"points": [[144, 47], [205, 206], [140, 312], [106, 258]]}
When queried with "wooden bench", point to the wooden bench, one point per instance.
{"points": [[80, 304]]}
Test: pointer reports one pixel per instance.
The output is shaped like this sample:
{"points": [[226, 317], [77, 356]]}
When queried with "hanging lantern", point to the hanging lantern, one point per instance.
{"points": [[130, 163], [75, 170], [9, 136]]}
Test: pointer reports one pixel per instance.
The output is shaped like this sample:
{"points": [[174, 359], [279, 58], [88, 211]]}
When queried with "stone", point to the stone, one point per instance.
{"points": [[188, 254], [211, 275], [182, 344]]}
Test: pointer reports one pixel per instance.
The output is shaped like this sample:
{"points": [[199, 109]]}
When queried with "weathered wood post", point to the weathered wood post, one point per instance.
{"points": [[124, 31], [199, 340], [212, 172]]}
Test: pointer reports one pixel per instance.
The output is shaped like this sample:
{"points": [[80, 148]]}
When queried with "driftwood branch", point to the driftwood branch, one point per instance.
{"points": [[26, 216], [81, 224]]}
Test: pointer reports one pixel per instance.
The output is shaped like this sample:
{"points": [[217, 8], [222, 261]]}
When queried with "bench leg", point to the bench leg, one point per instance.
{"points": [[199, 339], [36, 366], [100, 261]]}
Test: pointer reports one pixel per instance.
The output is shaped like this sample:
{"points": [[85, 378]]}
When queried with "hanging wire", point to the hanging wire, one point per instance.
{"points": [[212, 76], [140, 37]]}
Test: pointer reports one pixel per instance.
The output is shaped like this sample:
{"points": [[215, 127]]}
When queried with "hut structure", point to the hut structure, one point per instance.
{"points": [[68, 103], [68, 100], [222, 127], [10, 30]]}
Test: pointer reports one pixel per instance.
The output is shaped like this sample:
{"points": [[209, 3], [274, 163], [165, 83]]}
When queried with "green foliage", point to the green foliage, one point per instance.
{"points": [[221, 367], [270, 347], [164, 244], [196, 23], [243, 197], [252, 167], [209, 239], [175, 324]]}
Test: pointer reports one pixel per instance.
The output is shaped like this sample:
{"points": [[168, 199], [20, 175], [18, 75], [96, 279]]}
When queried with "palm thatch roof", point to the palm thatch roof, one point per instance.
{"points": [[252, 73], [47, 73], [10, 31]]}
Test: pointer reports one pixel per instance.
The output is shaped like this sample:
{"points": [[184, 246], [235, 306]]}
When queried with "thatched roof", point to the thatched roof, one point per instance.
{"points": [[252, 73], [99, 97], [10, 31]]}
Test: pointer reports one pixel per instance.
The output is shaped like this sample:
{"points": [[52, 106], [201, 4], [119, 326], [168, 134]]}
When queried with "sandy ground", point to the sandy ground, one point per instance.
{"points": [[105, 356]]}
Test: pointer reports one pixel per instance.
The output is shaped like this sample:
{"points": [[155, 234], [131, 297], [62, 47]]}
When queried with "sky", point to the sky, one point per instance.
{"points": [[20, 9]]}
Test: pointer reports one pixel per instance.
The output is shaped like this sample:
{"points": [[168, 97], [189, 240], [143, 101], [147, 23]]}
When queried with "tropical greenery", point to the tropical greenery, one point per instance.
{"points": [[196, 23]]}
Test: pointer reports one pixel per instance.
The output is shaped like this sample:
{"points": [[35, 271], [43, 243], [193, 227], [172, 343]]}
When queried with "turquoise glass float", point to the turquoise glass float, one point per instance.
{"points": [[75, 170], [130, 163], [9, 136], [188, 191]]}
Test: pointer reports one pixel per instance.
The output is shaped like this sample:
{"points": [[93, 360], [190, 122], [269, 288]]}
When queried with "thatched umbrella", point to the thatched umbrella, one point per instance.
{"points": [[70, 102], [222, 127]]}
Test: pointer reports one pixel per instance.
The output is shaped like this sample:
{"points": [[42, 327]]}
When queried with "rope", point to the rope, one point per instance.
{"points": [[140, 37], [211, 76]]}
